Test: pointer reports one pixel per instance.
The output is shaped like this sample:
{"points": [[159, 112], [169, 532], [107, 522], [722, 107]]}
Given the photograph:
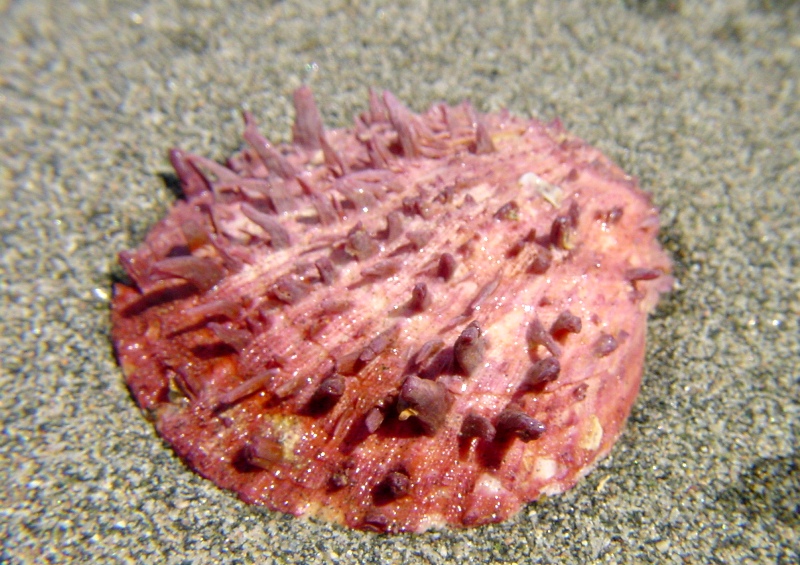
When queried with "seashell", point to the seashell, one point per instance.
{"points": [[426, 320]]}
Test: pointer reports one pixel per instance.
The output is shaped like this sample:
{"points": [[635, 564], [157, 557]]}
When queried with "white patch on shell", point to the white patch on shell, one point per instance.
{"points": [[591, 434], [544, 469], [489, 486], [533, 184], [432, 520]]}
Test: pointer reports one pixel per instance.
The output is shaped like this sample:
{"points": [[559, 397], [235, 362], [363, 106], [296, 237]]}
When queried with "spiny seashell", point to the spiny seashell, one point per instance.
{"points": [[423, 320]]}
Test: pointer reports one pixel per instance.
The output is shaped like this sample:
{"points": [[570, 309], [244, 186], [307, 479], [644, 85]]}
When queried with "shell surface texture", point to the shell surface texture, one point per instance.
{"points": [[424, 320]]}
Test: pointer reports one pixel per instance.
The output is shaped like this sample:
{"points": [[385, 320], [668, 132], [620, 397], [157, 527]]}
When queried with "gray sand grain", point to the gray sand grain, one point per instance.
{"points": [[700, 100]]}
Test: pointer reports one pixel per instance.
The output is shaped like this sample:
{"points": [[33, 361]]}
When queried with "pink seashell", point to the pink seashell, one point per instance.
{"points": [[428, 320]]}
